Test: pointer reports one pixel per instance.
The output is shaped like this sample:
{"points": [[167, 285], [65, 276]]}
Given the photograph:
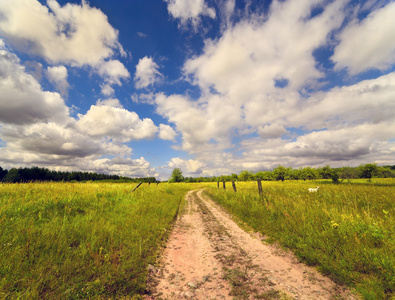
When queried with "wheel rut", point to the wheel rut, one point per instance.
{"points": [[208, 256]]}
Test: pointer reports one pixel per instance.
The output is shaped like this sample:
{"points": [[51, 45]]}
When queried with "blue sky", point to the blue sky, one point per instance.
{"points": [[137, 88]]}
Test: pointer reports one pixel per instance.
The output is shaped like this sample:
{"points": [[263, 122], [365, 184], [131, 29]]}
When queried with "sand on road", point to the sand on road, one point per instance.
{"points": [[208, 256]]}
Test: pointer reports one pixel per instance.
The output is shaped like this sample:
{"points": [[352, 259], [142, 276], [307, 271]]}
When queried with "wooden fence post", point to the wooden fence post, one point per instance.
{"points": [[259, 187], [137, 187], [224, 185], [217, 184], [234, 186]]}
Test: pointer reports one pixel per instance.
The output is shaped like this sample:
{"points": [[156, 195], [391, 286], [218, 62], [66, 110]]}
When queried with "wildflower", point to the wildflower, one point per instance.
{"points": [[334, 225]]}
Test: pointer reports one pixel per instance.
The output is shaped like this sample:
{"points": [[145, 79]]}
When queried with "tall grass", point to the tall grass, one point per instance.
{"points": [[81, 240], [347, 230]]}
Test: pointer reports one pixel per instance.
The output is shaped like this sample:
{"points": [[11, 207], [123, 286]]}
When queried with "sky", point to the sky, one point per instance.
{"points": [[140, 87]]}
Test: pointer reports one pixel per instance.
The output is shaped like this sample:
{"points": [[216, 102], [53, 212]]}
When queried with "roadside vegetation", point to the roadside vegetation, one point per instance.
{"points": [[346, 230], [82, 240], [78, 240]]}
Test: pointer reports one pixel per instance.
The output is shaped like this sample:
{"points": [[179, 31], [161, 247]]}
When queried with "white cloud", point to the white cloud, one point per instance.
{"points": [[272, 131], [189, 11], [166, 132], [106, 89], [58, 76], [238, 71], [75, 35], [190, 167], [237, 75], [203, 126], [368, 43], [146, 73], [22, 100], [107, 120], [227, 8], [72, 34], [254, 53], [112, 71], [366, 101]]}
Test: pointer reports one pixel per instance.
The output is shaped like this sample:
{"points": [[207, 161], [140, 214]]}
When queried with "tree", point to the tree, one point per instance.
{"points": [[176, 175], [245, 176], [280, 173], [12, 176], [325, 172], [308, 173], [2, 173], [368, 170]]}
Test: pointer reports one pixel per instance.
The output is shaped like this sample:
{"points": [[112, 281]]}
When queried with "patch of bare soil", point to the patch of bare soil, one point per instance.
{"points": [[209, 256]]}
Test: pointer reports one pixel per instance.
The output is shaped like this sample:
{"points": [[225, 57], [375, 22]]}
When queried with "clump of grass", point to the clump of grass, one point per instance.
{"points": [[346, 230], [81, 240]]}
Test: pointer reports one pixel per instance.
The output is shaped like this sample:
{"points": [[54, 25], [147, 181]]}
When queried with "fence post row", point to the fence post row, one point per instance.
{"points": [[234, 186], [137, 187], [260, 187]]}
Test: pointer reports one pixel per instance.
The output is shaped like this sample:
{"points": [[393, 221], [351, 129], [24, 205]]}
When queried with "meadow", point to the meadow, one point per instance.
{"points": [[82, 240], [94, 240], [346, 230]]}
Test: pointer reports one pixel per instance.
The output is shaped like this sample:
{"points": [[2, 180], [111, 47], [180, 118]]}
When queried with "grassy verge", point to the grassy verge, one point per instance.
{"points": [[81, 240], [347, 230]]}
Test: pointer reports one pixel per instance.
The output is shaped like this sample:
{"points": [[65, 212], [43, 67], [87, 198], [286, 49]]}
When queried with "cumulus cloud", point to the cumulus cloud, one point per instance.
{"points": [[58, 76], [72, 34], [146, 73], [237, 74], [189, 11], [272, 131], [261, 77], [368, 43], [190, 167], [203, 126], [22, 100], [37, 130], [108, 120], [166, 132], [112, 71], [75, 35], [254, 52], [366, 101]]}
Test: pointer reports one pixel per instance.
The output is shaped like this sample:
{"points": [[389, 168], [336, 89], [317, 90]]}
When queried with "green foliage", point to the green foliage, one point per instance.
{"points": [[2, 173], [82, 240], [368, 170], [43, 174], [280, 173], [325, 172], [12, 176], [245, 176], [335, 177], [176, 175], [346, 230]]}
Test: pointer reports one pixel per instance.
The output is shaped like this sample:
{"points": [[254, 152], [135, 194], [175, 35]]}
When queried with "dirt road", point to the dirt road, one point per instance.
{"points": [[209, 256]]}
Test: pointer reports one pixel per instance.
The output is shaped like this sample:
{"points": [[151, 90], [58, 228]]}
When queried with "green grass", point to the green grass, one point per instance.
{"points": [[347, 230], [82, 240]]}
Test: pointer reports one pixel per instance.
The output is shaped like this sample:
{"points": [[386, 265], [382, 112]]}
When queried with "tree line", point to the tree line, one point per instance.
{"points": [[306, 173], [42, 174]]}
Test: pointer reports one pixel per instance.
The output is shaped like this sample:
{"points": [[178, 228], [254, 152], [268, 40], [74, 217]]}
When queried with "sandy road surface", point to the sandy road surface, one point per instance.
{"points": [[208, 256]]}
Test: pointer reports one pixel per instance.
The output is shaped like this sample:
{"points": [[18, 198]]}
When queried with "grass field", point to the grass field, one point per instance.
{"points": [[82, 240], [347, 230], [95, 240]]}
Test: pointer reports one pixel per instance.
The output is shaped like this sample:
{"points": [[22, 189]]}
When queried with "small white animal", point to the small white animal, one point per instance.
{"points": [[314, 190]]}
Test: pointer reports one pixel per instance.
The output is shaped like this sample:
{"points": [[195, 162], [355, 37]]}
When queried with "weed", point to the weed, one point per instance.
{"points": [[346, 230], [82, 240]]}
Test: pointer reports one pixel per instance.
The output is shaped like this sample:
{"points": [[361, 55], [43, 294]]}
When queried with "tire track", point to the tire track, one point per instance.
{"points": [[209, 257]]}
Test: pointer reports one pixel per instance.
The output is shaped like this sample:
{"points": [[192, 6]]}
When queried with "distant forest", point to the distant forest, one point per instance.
{"points": [[42, 174], [280, 173], [306, 173]]}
